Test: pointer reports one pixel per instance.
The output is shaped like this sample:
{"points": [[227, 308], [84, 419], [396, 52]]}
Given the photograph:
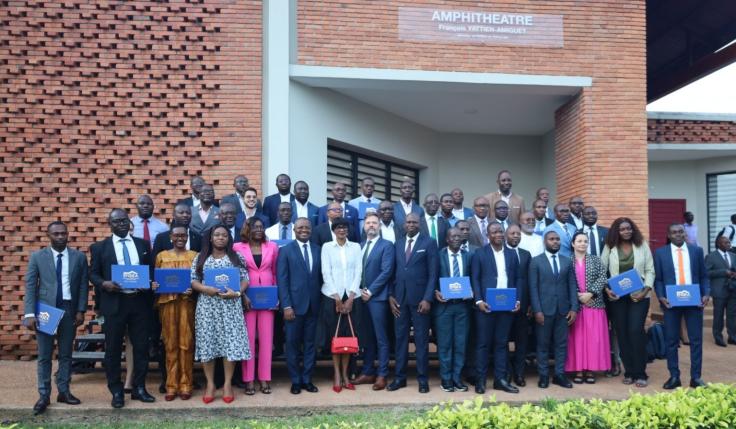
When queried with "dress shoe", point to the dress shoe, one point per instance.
{"points": [[336, 388], [543, 381], [396, 385], [228, 399], [720, 342], [504, 386], [380, 383], [731, 341], [68, 398], [364, 379], [480, 389], [519, 380], [697, 382], [562, 381], [169, 397], [311, 388], [140, 394], [127, 390], [40, 406], [296, 389], [447, 386], [208, 399], [185, 396], [423, 387], [118, 400], [162, 388], [672, 383], [459, 386]]}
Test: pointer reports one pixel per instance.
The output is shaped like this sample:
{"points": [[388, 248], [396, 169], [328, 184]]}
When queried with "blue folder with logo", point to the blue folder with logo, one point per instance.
{"points": [[263, 297], [455, 287], [626, 283], [281, 243], [684, 295], [364, 208], [222, 278], [172, 280], [501, 299], [48, 318], [131, 276]]}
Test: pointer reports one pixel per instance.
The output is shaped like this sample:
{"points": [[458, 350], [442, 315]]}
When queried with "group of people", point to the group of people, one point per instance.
{"points": [[371, 269]]}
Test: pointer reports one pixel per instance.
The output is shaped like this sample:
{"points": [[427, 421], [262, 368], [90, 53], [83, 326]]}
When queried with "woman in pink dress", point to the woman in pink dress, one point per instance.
{"points": [[588, 348], [260, 260]]}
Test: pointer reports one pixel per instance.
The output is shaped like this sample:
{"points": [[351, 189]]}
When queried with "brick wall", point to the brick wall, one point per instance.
{"points": [[690, 131], [103, 101]]}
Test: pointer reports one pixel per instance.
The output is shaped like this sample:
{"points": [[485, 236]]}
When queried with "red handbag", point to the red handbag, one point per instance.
{"points": [[344, 345]]}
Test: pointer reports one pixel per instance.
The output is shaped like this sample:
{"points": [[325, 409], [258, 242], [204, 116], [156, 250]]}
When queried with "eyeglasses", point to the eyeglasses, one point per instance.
{"points": [[335, 209]]}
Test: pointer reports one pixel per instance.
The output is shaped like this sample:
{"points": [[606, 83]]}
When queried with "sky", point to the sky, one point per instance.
{"points": [[715, 93]]}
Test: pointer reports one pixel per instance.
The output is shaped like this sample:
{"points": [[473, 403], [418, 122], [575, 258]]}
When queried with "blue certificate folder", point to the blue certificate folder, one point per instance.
{"points": [[501, 299], [131, 276], [48, 318], [263, 297], [684, 295], [222, 278], [172, 280], [626, 283], [455, 287], [364, 208]]}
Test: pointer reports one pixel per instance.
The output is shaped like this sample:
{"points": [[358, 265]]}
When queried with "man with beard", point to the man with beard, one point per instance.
{"points": [[272, 202]]}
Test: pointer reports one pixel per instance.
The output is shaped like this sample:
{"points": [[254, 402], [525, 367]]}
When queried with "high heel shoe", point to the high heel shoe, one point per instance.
{"points": [[337, 388], [208, 399], [349, 386], [228, 399]]}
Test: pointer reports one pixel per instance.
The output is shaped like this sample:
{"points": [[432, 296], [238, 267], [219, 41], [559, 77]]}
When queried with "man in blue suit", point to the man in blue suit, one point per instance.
{"points": [[460, 212], [339, 191], [493, 266], [284, 195], [679, 263], [406, 204], [596, 234], [554, 296], [378, 271], [299, 281], [410, 298], [251, 210], [563, 229], [452, 316], [301, 207]]}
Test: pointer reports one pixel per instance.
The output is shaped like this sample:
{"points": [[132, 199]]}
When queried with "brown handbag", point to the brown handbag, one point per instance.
{"points": [[344, 345]]}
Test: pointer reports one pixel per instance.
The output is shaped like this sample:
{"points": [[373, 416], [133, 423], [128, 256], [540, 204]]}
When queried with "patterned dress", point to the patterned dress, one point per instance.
{"points": [[219, 325]]}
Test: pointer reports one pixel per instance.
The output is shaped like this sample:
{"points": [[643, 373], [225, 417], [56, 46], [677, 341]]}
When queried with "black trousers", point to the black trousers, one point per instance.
{"points": [[628, 319], [725, 307], [520, 336], [133, 316]]}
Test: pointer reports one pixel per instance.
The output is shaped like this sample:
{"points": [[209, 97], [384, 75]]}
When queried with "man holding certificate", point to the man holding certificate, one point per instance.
{"points": [[682, 286], [57, 278]]}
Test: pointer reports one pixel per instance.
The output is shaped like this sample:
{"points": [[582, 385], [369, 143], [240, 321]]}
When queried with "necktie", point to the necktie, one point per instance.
{"points": [[283, 232], [455, 266], [59, 287], [146, 232], [306, 257], [368, 200], [433, 230], [593, 243], [483, 231], [555, 268], [126, 254], [728, 261], [365, 258], [408, 250], [680, 267]]}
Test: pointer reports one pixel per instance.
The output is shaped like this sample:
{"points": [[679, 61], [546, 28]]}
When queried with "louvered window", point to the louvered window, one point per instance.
{"points": [[721, 203]]}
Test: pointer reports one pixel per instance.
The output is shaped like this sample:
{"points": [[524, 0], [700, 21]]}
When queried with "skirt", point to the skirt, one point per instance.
{"points": [[588, 347]]}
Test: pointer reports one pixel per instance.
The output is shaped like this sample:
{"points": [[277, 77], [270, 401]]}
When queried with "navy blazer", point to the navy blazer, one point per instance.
{"points": [[312, 213], [379, 268], [550, 295], [442, 226], [400, 216], [664, 270], [234, 199], [240, 220], [522, 289], [322, 234], [271, 207], [350, 213], [298, 287], [100, 270], [446, 269], [484, 273], [602, 234], [416, 279]]}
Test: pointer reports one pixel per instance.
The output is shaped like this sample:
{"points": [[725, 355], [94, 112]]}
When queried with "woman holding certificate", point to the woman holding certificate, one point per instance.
{"points": [[341, 271], [176, 312], [219, 323], [260, 260], [626, 249], [588, 348]]}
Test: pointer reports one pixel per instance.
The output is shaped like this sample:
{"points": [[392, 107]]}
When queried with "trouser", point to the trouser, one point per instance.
{"points": [[451, 322], [520, 334], [177, 323], [492, 334], [628, 319], [421, 322], [376, 341], [300, 340], [133, 315], [259, 324], [728, 306], [694, 321], [65, 334], [552, 334]]}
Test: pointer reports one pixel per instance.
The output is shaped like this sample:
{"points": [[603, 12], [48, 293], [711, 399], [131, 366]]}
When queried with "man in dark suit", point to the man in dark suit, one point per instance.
{"points": [[284, 195], [410, 298], [406, 204], [301, 207], [237, 198], [520, 327], [596, 234], [721, 267], [299, 281], [451, 316], [464, 227], [182, 216], [554, 297], [479, 222], [350, 213], [679, 263], [541, 221], [432, 223], [389, 230], [543, 194], [576, 205], [501, 214], [195, 183], [323, 232], [460, 212], [123, 309], [228, 214], [447, 204], [493, 266], [252, 209], [56, 276], [206, 215], [378, 271]]}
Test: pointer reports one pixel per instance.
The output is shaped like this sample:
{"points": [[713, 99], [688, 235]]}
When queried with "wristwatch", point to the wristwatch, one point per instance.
{"points": [[240, 294]]}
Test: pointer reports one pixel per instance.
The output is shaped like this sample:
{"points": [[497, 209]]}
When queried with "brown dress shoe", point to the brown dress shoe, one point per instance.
{"points": [[364, 379], [380, 383]]}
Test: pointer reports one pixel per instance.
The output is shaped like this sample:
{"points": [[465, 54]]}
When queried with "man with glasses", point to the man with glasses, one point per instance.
{"points": [[479, 222], [339, 191], [389, 230], [323, 232]]}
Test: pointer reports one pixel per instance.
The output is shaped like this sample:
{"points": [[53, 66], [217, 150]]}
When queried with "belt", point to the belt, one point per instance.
{"points": [[130, 294], [456, 301]]}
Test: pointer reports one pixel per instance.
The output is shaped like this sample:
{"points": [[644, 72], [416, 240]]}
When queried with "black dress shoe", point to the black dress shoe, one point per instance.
{"points": [[309, 387], [562, 381], [68, 398], [519, 380], [697, 382], [720, 342], [423, 388], [140, 394], [504, 386], [396, 385], [731, 341], [296, 389], [447, 386], [118, 400], [480, 389], [459, 386], [672, 383], [471, 379], [127, 391], [543, 381], [40, 406], [162, 388]]}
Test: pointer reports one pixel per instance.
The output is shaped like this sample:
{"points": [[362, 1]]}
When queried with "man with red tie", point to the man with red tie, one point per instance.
{"points": [[145, 225]]}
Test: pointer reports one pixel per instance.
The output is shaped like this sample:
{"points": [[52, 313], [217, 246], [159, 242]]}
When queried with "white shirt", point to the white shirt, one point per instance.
{"points": [[273, 232], [241, 201], [132, 251], [407, 207], [309, 252], [285, 198], [549, 258], [365, 249], [502, 282], [504, 198], [204, 214], [413, 242], [686, 262], [539, 226], [341, 268], [459, 260], [587, 230], [301, 209], [483, 228], [387, 232], [66, 289], [195, 201], [532, 243], [459, 213], [577, 220]]}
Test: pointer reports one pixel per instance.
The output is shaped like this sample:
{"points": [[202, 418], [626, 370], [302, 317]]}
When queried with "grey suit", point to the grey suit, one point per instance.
{"points": [[41, 287], [723, 291], [476, 237], [212, 219]]}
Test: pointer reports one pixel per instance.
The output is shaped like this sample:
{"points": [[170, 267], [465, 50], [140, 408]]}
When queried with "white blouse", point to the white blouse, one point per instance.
{"points": [[341, 268]]}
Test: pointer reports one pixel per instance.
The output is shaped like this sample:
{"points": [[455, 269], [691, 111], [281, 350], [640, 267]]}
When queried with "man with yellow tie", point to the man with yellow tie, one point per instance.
{"points": [[679, 263]]}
